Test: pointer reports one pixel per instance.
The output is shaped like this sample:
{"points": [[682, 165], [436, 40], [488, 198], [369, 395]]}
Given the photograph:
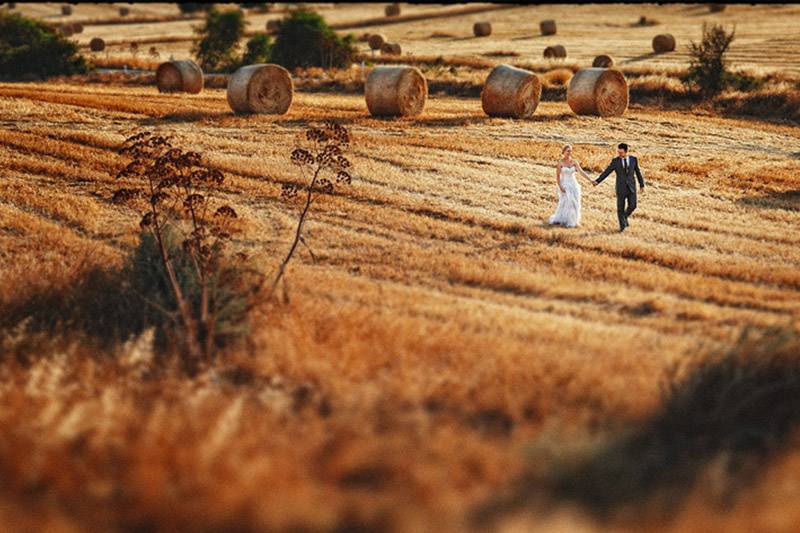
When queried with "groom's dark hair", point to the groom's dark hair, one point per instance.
{"points": [[623, 146]]}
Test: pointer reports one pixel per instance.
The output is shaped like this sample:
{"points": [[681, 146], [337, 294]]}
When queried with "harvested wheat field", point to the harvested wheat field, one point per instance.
{"points": [[437, 357]]}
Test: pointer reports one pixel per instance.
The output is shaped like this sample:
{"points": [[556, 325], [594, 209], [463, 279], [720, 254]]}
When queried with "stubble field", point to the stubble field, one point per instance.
{"points": [[441, 329]]}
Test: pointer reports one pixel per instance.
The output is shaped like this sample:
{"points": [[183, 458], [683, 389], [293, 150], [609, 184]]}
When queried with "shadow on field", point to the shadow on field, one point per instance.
{"points": [[95, 304], [789, 200], [182, 117], [643, 57], [720, 421], [528, 37], [110, 305]]}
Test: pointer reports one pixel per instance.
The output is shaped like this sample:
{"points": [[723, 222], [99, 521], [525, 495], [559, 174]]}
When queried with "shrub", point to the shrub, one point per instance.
{"points": [[740, 81], [258, 50], [218, 39], [261, 7], [305, 40], [707, 68], [183, 267], [31, 47], [194, 7]]}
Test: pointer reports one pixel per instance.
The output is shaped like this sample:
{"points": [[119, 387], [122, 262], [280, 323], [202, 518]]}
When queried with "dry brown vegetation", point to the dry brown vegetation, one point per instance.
{"points": [[444, 360], [440, 328]]}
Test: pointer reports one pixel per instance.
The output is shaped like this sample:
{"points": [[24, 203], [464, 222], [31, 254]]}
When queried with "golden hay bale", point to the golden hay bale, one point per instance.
{"points": [[77, 27], [260, 88], [511, 92], [556, 51], [179, 76], [603, 61], [273, 25], [663, 42], [97, 44], [66, 30], [124, 11], [716, 8], [376, 41], [482, 29], [547, 27], [392, 10], [598, 91], [391, 49], [395, 91], [66, 10]]}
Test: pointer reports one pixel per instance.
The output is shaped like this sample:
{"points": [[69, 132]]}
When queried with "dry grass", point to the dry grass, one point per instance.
{"points": [[558, 77], [441, 328]]}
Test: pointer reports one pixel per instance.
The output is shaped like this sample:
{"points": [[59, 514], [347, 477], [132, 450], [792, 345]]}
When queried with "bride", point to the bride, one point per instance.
{"points": [[568, 212]]}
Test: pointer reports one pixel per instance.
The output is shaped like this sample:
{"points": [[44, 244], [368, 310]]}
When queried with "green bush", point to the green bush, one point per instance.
{"points": [[261, 7], [150, 290], [305, 40], [31, 47], [742, 82], [707, 67], [218, 39], [259, 50], [194, 7]]}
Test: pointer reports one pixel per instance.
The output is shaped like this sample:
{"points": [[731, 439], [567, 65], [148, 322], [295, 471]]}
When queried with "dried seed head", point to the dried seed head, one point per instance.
{"points": [[301, 156], [288, 191], [344, 177], [225, 211], [193, 201]]}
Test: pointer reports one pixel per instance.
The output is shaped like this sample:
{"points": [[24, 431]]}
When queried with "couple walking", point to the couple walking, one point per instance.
{"points": [[568, 212]]}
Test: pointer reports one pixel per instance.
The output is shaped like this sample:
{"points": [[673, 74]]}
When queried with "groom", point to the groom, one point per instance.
{"points": [[625, 165]]}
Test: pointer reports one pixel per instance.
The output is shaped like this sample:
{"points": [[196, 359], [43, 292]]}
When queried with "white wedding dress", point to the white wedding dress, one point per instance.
{"points": [[568, 212]]}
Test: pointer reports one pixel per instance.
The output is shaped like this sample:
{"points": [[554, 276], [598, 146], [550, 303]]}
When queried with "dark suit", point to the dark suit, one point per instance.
{"points": [[626, 186]]}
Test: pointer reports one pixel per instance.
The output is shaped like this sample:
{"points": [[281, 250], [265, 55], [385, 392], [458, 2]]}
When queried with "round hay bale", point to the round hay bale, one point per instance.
{"points": [[66, 30], [391, 49], [598, 91], [716, 8], [179, 76], [273, 25], [376, 41], [261, 88], [12, 5], [97, 44], [603, 61], [482, 29], [556, 51], [663, 42], [511, 92], [124, 11], [363, 38], [547, 27], [395, 91], [66, 10], [77, 27], [392, 10]]}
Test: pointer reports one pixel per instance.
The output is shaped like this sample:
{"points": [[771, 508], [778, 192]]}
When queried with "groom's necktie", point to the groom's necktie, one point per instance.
{"points": [[625, 165]]}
